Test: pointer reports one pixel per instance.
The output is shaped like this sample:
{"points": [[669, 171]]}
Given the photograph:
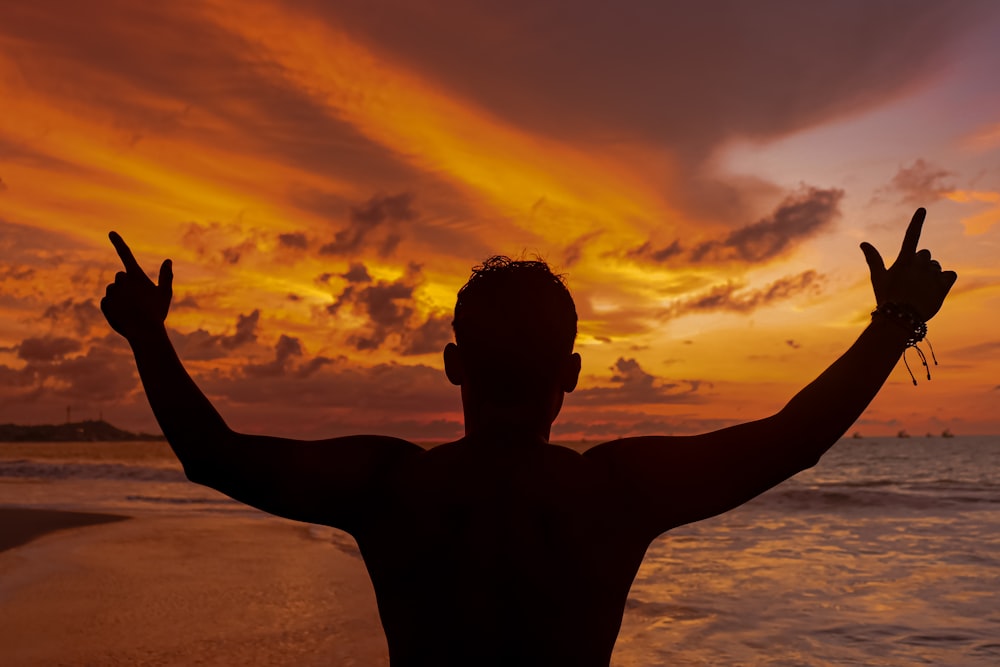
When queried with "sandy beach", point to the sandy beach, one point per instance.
{"points": [[80, 588], [887, 553]]}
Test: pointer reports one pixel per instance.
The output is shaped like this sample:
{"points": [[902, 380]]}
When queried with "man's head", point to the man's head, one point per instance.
{"points": [[514, 324]]}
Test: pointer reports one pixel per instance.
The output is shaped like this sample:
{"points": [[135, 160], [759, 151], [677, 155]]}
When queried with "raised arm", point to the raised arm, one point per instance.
{"points": [[677, 480], [329, 481]]}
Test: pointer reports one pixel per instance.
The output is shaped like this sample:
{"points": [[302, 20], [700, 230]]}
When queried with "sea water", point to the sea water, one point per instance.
{"points": [[886, 553]]}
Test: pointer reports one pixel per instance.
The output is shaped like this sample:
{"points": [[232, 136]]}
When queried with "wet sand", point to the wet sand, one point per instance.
{"points": [[183, 590], [19, 526]]}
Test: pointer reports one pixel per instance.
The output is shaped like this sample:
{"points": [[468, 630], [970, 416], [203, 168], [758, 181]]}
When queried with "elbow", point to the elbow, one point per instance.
{"points": [[197, 473], [810, 461], [202, 458]]}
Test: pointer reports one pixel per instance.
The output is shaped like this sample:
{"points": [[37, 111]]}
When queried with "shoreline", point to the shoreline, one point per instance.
{"points": [[182, 589], [21, 525]]}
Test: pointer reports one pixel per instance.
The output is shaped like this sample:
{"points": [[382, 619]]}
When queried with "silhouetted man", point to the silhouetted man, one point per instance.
{"points": [[499, 548]]}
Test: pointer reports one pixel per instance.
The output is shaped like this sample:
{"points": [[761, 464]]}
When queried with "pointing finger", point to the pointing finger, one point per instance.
{"points": [[125, 253], [166, 279], [912, 237]]}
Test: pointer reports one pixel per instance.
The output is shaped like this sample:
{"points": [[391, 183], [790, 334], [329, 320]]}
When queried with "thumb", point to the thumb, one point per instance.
{"points": [[166, 279], [874, 259]]}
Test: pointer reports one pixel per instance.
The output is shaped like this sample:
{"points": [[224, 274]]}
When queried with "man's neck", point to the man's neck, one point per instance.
{"points": [[507, 425]]}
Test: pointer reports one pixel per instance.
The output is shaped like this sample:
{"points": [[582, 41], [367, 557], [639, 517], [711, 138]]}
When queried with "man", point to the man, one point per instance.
{"points": [[500, 548]]}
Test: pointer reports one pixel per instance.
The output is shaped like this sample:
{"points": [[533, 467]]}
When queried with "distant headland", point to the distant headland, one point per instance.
{"points": [[85, 431]]}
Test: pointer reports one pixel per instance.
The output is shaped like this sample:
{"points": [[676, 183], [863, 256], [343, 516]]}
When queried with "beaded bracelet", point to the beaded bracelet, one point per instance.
{"points": [[907, 318]]}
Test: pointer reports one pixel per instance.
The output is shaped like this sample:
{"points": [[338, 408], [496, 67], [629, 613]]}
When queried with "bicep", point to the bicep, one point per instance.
{"points": [[325, 481], [677, 480]]}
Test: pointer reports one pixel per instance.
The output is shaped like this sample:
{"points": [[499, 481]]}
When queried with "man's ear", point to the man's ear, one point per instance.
{"points": [[570, 373], [453, 364]]}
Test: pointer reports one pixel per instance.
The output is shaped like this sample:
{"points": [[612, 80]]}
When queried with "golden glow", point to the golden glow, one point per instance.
{"points": [[213, 199], [421, 123]]}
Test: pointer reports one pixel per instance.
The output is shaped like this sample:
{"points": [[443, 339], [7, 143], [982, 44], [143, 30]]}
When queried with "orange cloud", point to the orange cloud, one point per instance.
{"points": [[981, 222], [509, 170]]}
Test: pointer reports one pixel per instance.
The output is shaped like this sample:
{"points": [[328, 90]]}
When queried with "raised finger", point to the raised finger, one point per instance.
{"points": [[912, 236], [125, 253], [166, 279]]}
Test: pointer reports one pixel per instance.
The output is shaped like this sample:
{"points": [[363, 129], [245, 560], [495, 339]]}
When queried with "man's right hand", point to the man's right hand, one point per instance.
{"points": [[914, 279], [132, 304]]}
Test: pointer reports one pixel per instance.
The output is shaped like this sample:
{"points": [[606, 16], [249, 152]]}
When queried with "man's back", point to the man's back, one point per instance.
{"points": [[512, 551], [501, 553]]}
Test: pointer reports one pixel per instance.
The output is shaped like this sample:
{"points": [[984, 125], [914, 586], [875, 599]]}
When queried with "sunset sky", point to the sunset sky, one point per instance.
{"points": [[325, 177]]}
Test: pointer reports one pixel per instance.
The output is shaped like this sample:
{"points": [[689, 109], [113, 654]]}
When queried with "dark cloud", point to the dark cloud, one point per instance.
{"points": [[921, 183], [339, 384], [647, 252], [357, 273], [731, 297], [574, 251], [104, 373], [793, 344], [3, 185], [380, 208], [187, 302], [246, 331], [798, 217], [77, 316], [285, 350], [16, 273], [631, 385], [201, 345], [373, 224], [295, 240], [686, 75], [429, 337], [46, 349], [390, 309]]}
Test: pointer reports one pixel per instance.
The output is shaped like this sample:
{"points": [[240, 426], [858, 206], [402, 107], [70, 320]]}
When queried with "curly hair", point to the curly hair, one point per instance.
{"points": [[514, 320]]}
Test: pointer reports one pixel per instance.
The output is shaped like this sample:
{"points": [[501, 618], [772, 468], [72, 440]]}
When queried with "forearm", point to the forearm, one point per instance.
{"points": [[190, 423], [830, 404]]}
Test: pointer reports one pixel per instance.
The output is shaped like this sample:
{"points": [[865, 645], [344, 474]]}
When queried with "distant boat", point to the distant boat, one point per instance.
{"points": [[929, 434], [857, 435], [947, 433], [902, 434]]}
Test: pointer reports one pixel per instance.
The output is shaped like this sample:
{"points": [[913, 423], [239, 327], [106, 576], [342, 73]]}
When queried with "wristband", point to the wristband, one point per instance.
{"points": [[906, 317]]}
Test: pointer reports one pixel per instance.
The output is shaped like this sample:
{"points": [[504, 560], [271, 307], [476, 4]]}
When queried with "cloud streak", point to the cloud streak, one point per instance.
{"points": [[798, 218], [734, 298], [631, 385]]}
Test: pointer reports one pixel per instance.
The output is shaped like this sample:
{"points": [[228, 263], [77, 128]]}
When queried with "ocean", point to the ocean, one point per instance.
{"points": [[886, 553]]}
